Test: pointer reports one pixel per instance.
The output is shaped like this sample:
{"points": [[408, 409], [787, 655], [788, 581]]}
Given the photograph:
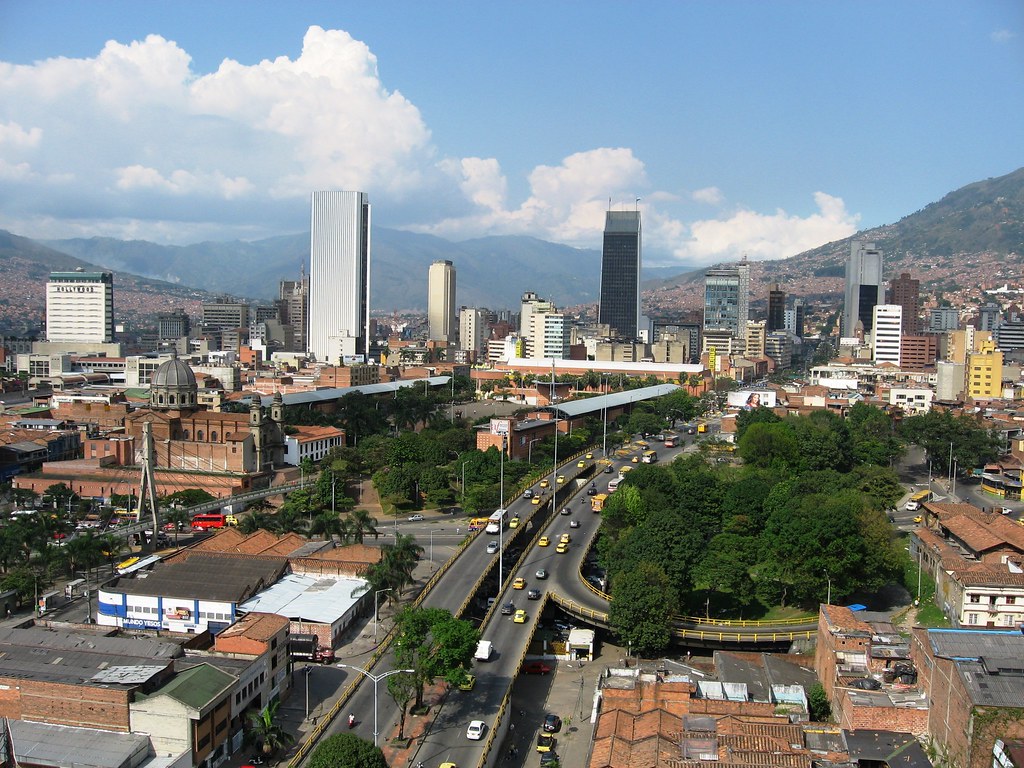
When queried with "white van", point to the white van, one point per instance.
{"points": [[484, 649]]}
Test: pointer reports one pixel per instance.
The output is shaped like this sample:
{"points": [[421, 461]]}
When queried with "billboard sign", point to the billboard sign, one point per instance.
{"points": [[501, 427], [752, 398]]}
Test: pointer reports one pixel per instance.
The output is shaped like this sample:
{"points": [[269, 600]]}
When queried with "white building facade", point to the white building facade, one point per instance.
{"points": [[339, 276], [887, 333], [80, 307], [441, 301]]}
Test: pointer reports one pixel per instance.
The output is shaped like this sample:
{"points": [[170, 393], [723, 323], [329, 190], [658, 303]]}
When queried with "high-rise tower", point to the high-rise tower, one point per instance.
{"points": [[906, 291], [441, 301], [727, 299], [776, 308], [339, 275], [863, 288], [80, 307], [620, 274]]}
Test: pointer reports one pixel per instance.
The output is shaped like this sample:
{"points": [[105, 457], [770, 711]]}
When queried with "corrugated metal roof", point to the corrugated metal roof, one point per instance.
{"points": [[197, 687], [59, 745], [302, 597], [204, 576], [334, 393], [582, 407]]}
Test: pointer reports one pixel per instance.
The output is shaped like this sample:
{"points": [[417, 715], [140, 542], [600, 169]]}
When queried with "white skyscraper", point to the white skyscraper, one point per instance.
{"points": [[339, 276], [441, 301], [473, 329], [886, 333], [80, 307]]}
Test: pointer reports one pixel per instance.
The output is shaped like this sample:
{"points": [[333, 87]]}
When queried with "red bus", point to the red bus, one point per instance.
{"points": [[205, 522]]}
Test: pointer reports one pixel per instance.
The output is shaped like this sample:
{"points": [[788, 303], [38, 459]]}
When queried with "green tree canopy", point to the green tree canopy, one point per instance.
{"points": [[346, 750], [641, 609]]}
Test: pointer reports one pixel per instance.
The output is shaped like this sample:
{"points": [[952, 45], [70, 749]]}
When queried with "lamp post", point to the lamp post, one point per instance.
{"points": [[464, 482], [375, 612], [949, 480], [376, 679], [436, 530], [529, 450], [501, 523], [828, 596], [88, 596], [306, 670]]}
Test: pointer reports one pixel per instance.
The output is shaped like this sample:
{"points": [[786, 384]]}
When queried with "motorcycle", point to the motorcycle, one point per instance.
{"points": [[351, 721]]}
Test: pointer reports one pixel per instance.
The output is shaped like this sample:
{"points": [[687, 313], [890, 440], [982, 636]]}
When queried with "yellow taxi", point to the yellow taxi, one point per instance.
{"points": [[562, 548], [519, 583], [544, 483], [635, 459], [590, 456], [581, 463], [468, 683], [513, 523], [520, 617], [565, 538], [918, 519], [560, 479], [535, 500], [624, 470], [544, 541]]}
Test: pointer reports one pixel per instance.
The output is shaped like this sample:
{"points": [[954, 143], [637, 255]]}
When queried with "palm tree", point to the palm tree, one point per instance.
{"points": [[180, 518], [266, 731], [400, 560], [362, 524], [329, 525]]}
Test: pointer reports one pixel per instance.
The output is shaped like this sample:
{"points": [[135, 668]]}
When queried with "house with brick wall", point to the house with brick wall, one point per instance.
{"points": [[974, 681], [851, 653]]}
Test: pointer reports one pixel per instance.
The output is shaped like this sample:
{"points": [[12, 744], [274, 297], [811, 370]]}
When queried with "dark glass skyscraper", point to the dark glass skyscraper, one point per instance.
{"points": [[620, 274]]}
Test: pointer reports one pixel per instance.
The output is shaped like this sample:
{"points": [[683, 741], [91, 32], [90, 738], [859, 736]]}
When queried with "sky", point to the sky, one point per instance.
{"points": [[737, 128]]}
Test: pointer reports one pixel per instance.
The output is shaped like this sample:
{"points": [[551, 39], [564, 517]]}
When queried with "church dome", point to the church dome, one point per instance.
{"points": [[173, 373], [173, 386]]}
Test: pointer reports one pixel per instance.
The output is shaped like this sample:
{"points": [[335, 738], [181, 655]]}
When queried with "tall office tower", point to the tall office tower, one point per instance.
{"points": [[727, 298], [795, 319], [531, 303], [225, 314], [293, 309], [474, 329], [172, 325], [441, 301], [863, 287], [776, 309], [886, 333], [620, 274], [906, 291], [988, 317], [756, 332], [80, 307], [339, 275], [943, 319], [549, 335]]}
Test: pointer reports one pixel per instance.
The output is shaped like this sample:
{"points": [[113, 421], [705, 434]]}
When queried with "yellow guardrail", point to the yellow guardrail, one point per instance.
{"points": [[314, 735]]}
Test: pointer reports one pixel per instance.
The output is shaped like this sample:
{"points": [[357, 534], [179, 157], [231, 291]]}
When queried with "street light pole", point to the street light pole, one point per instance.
{"points": [[375, 612], [828, 597], [436, 530], [501, 523], [529, 450], [306, 671], [376, 679], [464, 482]]}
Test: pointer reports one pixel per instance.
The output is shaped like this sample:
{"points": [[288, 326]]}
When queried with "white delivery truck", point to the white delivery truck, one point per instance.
{"points": [[484, 649]]}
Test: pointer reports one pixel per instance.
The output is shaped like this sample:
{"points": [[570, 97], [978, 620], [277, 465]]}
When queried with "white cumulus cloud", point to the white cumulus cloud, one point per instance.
{"points": [[134, 142], [767, 236], [1001, 36]]}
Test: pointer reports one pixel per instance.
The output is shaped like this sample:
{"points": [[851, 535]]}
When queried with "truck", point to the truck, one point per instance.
{"points": [[308, 648], [917, 500], [484, 649]]}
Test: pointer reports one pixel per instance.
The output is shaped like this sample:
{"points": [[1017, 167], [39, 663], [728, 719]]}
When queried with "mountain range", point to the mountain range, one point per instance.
{"points": [[971, 236]]}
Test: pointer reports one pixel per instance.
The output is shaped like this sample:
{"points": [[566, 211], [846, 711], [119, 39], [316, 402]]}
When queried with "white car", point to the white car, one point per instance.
{"points": [[415, 518], [492, 547], [476, 730]]}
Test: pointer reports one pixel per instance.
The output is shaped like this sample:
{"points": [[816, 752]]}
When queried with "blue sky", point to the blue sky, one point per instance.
{"points": [[763, 128]]}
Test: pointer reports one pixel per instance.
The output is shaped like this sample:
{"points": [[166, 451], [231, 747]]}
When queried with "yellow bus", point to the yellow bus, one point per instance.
{"points": [[918, 499], [597, 502], [649, 457], [478, 523]]}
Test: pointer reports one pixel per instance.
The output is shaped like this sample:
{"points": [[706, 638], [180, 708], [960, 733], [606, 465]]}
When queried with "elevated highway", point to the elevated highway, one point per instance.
{"points": [[461, 579]]}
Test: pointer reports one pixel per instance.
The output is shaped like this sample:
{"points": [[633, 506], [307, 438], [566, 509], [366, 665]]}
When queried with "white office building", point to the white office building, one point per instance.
{"points": [[549, 335], [887, 333], [441, 301], [863, 290], [473, 329], [339, 276], [80, 307]]}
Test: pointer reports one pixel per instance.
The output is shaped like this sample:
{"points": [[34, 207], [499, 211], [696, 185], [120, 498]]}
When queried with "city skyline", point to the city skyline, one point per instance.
{"points": [[200, 130]]}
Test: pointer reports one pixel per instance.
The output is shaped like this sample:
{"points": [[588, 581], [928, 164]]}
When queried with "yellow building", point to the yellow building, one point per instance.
{"points": [[985, 373], [961, 343]]}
